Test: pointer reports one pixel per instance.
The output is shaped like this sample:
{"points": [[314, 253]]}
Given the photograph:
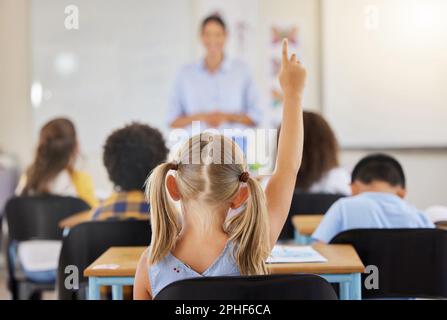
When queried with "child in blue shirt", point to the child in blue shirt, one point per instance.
{"points": [[208, 178], [378, 188]]}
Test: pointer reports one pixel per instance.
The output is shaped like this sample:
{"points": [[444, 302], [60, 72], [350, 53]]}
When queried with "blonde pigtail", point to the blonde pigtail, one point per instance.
{"points": [[165, 219], [250, 230]]}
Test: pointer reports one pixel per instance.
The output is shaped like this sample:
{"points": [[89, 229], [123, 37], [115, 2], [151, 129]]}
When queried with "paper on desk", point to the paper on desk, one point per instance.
{"points": [[295, 254]]}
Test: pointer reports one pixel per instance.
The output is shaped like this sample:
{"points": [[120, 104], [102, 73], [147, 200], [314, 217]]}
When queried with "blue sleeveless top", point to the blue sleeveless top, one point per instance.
{"points": [[171, 269]]}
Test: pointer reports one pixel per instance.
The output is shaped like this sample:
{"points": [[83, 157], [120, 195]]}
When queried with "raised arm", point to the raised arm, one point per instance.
{"points": [[280, 188]]}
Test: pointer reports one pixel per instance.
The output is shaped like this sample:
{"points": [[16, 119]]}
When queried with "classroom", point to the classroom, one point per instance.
{"points": [[212, 150]]}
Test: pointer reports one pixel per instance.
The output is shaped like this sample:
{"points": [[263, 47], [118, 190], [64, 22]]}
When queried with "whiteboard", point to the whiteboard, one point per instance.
{"points": [[118, 67], [385, 72]]}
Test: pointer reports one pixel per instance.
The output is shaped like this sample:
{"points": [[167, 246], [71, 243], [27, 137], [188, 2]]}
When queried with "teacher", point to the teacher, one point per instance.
{"points": [[217, 91]]}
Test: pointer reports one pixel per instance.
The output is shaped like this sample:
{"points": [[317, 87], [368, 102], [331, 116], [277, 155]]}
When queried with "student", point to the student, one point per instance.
{"points": [[378, 188], [130, 154], [52, 172], [53, 169], [201, 239], [320, 170]]}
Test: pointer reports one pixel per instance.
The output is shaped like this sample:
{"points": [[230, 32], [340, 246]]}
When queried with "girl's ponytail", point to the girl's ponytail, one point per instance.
{"points": [[165, 220], [250, 231]]}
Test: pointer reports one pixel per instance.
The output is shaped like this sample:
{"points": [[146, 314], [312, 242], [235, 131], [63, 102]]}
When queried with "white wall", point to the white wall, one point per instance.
{"points": [[385, 70], [15, 111], [425, 170], [117, 68]]}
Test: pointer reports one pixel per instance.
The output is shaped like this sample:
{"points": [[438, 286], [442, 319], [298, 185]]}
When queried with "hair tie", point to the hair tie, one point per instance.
{"points": [[244, 176], [173, 166]]}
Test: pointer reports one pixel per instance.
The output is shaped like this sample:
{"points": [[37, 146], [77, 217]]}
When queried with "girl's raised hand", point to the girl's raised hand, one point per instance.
{"points": [[292, 76], [280, 188]]}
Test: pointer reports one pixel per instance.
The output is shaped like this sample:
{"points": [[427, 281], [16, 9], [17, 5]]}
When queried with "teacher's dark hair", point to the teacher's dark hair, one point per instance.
{"points": [[131, 153], [216, 19]]}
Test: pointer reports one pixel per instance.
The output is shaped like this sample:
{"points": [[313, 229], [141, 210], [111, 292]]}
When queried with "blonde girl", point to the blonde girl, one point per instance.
{"points": [[209, 178]]}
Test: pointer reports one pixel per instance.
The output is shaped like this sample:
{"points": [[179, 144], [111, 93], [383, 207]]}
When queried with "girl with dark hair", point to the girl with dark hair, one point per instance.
{"points": [[53, 169], [320, 170], [52, 172]]}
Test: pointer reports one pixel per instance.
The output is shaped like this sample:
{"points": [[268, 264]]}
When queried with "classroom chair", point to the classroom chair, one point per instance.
{"points": [[87, 241], [308, 204], [412, 263], [270, 287], [34, 218]]}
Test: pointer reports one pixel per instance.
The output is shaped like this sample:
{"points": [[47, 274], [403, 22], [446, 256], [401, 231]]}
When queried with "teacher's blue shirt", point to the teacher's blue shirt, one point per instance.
{"points": [[231, 89]]}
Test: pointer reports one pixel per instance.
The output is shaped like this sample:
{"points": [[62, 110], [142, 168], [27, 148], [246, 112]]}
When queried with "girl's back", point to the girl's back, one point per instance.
{"points": [[173, 268], [209, 178]]}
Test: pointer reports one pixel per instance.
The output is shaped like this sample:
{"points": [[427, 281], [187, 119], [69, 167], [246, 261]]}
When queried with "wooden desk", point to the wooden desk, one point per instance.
{"points": [[343, 266], [342, 259], [75, 219], [307, 224], [125, 257], [82, 217]]}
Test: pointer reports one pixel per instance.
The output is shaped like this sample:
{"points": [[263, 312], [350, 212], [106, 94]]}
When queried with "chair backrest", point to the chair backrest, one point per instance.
{"points": [[37, 217], [307, 204], [410, 262], [273, 287], [87, 241]]}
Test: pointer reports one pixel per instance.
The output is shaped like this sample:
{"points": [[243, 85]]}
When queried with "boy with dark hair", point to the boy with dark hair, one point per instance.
{"points": [[378, 189], [129, 156]]}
